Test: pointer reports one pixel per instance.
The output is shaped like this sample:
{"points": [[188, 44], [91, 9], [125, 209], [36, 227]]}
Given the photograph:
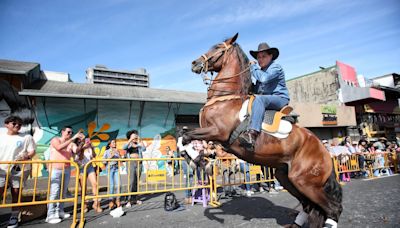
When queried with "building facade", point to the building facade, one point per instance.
{"points": [[381, 119], [335, 101], [102, 75]]}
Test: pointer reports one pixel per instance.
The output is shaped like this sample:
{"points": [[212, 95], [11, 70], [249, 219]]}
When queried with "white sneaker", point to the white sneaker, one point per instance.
{"points": [[64, 215], [249, 193], [128, 205], [279, 188], [273, 191], [53, 220], [13, 222], [262, 189]]}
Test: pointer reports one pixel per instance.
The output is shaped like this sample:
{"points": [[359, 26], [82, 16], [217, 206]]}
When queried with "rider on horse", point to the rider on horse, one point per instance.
{"points": [[270, 89]]}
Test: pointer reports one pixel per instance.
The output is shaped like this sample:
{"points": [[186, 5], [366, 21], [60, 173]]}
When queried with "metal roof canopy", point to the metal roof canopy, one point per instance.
{"points": [[110, 92], [16, 67]]}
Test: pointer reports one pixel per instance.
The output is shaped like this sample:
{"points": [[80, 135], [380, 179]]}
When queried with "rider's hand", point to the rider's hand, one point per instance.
{"points": [[252, 62]]}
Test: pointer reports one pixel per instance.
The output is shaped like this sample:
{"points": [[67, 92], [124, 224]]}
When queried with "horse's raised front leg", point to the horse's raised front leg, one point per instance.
{"points": [[189, 153], [208, 134]]}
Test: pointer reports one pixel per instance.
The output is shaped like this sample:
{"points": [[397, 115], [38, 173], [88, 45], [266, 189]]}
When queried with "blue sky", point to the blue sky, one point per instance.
{"points": [[164, 37]]}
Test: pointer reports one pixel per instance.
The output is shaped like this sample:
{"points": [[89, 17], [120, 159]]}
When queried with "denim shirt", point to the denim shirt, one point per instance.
{"points": [[270, 81]]}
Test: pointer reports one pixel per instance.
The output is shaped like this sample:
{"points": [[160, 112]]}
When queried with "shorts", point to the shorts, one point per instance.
{"points": [[89, 169], [14, 178]]}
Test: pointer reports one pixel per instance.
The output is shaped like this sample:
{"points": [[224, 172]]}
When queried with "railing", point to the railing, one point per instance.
{"points": [[157, 176], [40, 187], [372, 161], [231, 171]]}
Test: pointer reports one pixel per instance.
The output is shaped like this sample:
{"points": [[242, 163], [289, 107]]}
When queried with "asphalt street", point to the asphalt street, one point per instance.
{"points": [[367, 203]]}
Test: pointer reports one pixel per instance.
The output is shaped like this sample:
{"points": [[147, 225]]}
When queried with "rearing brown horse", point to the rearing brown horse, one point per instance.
{"points": [[303, 165]]}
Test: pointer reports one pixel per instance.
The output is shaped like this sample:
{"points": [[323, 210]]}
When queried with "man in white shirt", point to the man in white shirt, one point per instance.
{"points": [[14, 147]]}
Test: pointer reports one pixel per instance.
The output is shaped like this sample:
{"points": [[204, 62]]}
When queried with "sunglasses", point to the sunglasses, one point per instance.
{"points": [[16, 124], [70, 132]]}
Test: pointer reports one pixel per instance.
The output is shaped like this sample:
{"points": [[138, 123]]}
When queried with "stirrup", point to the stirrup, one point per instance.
{"points": [[244, 141]]}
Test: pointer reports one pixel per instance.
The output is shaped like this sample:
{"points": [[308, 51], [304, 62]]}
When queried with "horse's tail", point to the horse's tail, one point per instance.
{"points": [[316, 218], [333, 190]]}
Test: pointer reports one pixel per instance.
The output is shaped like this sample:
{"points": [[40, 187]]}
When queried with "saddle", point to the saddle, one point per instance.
{"points": [[276, 123]]}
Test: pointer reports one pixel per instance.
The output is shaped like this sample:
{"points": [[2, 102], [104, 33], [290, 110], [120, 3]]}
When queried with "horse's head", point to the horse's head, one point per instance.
{"points": [[213, 60]]}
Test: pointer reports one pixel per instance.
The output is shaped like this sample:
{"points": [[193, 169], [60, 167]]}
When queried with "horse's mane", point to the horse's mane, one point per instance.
{"points": [[245, 76]]}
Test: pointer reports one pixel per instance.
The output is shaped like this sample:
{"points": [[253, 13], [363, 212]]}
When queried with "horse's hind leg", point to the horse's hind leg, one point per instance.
{"points": [[281, 174], [327, 197]]}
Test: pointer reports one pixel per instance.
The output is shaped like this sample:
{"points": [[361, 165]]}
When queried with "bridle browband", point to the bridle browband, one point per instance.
{"points": [[209, 80]]}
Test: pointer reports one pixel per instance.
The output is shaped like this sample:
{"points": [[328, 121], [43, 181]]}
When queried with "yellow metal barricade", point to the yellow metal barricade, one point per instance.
{"points": [[336, 167], [38, 186], [369, 162], [157, 176], [348, 164], [237, 174], [390, 160]]}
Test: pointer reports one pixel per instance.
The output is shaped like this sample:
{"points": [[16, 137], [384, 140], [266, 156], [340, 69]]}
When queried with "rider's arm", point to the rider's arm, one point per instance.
{"points": [[273, 71]]}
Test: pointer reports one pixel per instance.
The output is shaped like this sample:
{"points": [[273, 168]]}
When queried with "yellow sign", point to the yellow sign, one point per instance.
{"points": [[156, 175], [255, 169]]}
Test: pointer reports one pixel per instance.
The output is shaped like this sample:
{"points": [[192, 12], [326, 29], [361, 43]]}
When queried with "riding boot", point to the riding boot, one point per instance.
{"points": [[248, 139]]}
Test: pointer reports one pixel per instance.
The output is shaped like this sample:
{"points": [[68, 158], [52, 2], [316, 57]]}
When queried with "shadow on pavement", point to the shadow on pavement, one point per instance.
{"points": [[252, 208]]}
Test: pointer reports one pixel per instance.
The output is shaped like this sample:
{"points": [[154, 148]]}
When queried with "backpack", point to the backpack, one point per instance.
{"points": [[170, 202]]}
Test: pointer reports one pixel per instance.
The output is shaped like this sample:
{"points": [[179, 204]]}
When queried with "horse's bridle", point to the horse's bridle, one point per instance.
{"points": [[206, 58], [205, 69]]}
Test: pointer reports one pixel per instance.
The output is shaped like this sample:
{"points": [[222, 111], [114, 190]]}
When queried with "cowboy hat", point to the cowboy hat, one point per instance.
{"points": [[265, 47]]}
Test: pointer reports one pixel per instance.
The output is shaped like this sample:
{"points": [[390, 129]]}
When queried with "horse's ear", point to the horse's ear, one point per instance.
{"points": [[233, 39]]}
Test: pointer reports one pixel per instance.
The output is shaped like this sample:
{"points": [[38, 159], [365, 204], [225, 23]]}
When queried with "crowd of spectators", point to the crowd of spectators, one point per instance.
{"points": [[77, 147], [369, 153]]}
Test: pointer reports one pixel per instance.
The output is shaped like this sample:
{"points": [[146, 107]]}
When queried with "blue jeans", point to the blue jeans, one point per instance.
{"points": [[245, 169], [54, 209], [260, 104], [189, 178], [114, 181]]}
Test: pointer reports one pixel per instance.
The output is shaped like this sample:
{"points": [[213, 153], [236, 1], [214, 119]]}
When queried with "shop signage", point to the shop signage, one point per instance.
{"points": [[156, 175], [328, 115]]}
